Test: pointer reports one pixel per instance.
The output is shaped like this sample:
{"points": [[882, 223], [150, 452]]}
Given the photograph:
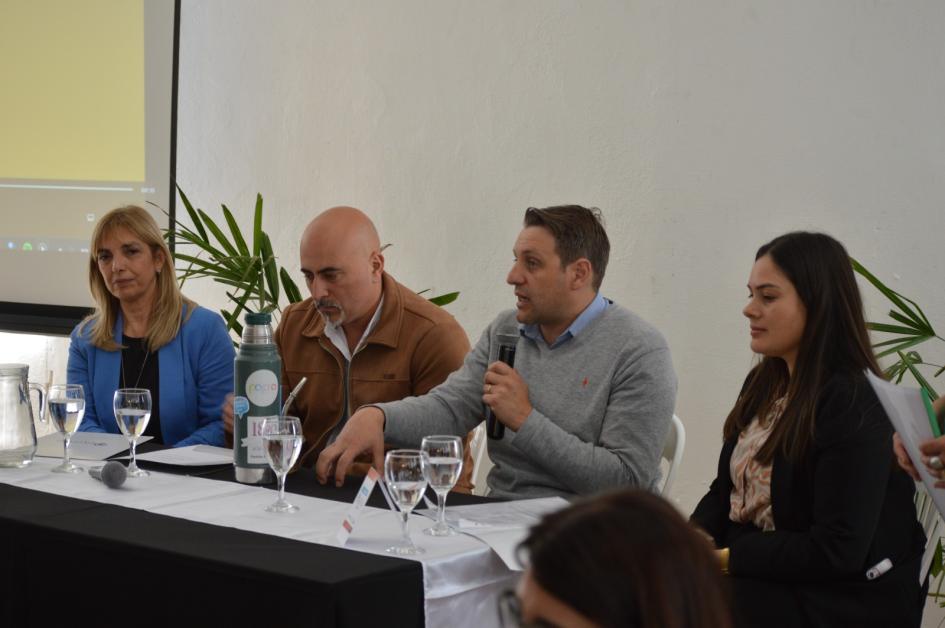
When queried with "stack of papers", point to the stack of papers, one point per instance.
{"points": [[192, 456], [85, 445]]}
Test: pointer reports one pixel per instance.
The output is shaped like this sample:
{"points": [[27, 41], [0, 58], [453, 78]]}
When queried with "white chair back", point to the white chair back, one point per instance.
{"points": [[673, 452], [482, 463]]}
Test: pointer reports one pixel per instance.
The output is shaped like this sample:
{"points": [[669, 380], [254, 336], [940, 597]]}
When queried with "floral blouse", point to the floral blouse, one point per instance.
{"points": [[751, 480]]}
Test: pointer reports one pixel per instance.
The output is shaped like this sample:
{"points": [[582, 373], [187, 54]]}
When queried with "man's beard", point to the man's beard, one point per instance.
{"points": [[320, 303]]}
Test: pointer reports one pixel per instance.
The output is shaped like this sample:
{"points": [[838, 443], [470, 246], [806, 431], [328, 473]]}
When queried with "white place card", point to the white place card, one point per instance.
{"points": [[357, 507]]}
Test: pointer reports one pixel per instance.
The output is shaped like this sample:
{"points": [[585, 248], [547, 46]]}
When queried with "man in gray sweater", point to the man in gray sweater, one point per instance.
{"points": [[589, 401]]}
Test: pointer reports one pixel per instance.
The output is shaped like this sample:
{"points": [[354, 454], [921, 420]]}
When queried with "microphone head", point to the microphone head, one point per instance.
{"points": [[114, 474]]}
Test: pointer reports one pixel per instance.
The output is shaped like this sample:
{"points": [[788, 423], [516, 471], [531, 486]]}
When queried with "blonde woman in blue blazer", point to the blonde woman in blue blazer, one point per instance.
{"points": [[145, 334]]}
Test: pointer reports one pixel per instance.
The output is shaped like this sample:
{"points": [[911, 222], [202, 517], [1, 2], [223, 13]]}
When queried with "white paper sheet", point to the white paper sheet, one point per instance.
{"points": [[85, 445], [504, 525], [907, 413], [192, 456]]}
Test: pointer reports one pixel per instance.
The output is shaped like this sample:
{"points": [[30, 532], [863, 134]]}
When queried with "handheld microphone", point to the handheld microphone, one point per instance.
{"points": [[495, 429], [112, 475]]}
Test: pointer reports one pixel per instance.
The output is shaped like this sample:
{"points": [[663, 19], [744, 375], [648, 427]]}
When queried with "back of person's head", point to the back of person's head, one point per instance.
{"points": [[628, 559], [166, 316], [835, 340], [578, 233]]}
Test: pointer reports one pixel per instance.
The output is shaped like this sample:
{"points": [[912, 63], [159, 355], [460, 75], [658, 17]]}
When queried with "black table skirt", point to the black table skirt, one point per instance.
{"points": [[77, 561]]}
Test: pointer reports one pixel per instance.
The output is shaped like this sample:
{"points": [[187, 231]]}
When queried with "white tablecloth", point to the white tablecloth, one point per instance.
{"points": [[461, 575]]}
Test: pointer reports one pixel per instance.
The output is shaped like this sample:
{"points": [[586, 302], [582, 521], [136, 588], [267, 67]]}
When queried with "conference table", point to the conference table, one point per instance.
{"points": [[71, 559]]}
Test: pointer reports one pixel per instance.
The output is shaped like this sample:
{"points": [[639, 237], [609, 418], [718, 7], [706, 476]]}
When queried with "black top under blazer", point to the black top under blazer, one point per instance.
{"points": [[843, 508]]}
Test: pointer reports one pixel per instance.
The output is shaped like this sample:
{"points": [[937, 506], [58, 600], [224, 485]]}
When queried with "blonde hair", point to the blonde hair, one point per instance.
{"points": [[166, 318]]}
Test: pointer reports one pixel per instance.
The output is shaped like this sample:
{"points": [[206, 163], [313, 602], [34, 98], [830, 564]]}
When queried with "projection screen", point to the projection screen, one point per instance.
{"points": [[87, 122]]}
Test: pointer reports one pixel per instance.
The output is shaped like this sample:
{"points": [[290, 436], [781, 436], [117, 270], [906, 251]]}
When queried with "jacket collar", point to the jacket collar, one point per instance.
{"points": [[387, 330]]}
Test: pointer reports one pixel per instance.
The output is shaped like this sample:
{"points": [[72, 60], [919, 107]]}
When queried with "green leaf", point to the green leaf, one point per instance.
{"points": [[889, 293], [936, 568], [893, 341], [444, 299], [194, 239], [288, 286], [894, 370], [269, 267], [233, 319], [257, 224], [919, 377], [210, 268], [235, 230], [218, 234], [904, 345], [893, 329], [922, 329], [194, 218]]}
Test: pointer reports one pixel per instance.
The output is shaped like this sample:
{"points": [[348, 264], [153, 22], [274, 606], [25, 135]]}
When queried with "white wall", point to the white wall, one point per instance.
{"points": [[702, 129]]}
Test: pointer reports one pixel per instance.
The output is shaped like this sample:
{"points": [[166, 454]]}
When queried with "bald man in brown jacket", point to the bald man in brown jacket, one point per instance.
{"points": [[361, 337]]}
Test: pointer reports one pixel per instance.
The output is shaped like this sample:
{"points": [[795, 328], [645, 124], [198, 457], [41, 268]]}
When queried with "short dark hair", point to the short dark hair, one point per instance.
{"points": [[628, 559], [578, 232]]}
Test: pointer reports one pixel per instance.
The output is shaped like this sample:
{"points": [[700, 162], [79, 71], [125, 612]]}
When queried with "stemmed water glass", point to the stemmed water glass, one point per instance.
{"points": [[445, 464], [66, 407], [133, 411], [405, 473], [282, 440]]}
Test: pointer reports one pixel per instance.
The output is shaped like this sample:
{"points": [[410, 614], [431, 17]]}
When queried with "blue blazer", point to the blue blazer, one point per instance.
{"points": [[195, 371]]}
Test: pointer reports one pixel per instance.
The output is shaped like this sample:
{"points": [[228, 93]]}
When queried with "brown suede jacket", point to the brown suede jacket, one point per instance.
{"points": [[414, 347]]}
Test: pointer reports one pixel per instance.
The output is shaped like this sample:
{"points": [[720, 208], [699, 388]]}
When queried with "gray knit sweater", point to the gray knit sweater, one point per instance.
{"points": [[602, 402]]}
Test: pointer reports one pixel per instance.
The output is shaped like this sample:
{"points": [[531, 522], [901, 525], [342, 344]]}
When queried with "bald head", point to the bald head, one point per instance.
{"points": [[342, 263], [348, 226]]}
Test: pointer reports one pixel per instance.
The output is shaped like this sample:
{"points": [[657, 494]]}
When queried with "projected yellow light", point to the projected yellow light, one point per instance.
{"points": [[73, 90]]}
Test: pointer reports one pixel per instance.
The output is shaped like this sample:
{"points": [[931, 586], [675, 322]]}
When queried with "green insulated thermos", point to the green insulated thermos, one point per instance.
{"points": [[257, 371]]}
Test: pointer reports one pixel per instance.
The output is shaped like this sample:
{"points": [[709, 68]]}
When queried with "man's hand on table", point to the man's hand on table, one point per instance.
{"points": [[364, 432]]}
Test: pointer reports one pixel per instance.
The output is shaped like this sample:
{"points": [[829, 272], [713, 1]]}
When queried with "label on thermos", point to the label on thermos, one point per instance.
{"points": [[262, 391]]}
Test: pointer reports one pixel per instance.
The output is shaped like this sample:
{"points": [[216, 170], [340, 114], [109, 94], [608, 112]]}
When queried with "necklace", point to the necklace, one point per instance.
{"points": [[140, 371]]}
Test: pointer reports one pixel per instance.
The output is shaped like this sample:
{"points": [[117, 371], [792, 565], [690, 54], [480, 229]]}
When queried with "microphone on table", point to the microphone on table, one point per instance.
{"points": [[112, 475], [495, 428]]}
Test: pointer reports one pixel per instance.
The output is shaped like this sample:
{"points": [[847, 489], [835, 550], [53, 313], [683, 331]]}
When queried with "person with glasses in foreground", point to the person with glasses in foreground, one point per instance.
{"points": [[624, 559], [814, 521]]}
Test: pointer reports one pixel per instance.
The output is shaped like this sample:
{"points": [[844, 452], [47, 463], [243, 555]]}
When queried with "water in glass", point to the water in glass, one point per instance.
{"points": [[66, 408], [405, 472], [132, 408], [282, 441], [443, 470]]}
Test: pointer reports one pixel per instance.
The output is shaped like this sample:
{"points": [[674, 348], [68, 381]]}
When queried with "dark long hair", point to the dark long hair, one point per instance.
{"points": [[628, 559], [835, 340]]}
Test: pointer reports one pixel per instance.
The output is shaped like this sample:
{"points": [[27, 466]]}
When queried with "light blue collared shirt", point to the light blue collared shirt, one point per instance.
{"points": [[594, 309]]}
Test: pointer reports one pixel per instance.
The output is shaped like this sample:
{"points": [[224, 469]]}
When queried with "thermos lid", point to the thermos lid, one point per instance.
{"points": [[258, 318]]}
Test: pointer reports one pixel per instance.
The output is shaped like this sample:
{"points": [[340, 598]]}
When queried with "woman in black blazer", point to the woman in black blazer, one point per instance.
{"points": [[814, 521]]}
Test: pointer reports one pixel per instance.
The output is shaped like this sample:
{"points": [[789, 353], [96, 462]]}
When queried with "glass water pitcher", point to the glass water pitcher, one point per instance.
{"points": [[17, 431]]}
